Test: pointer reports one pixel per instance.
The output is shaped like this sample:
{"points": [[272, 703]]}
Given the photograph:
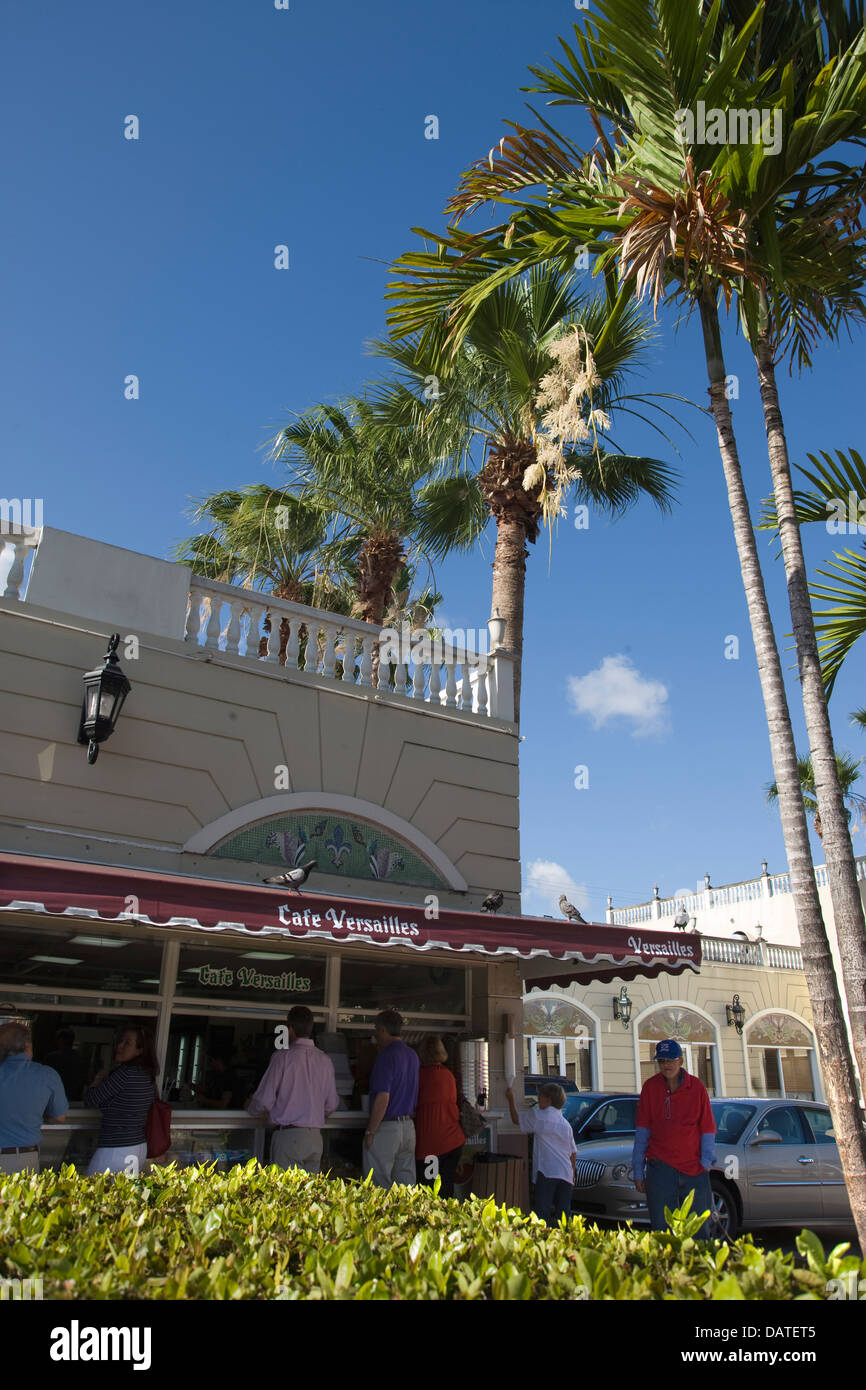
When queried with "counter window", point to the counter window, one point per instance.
{"points": [[277, 977], [80, 958], [423, 988]]}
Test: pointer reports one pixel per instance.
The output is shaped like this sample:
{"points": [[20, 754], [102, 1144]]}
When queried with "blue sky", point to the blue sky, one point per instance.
{"points": [[306, 127]]}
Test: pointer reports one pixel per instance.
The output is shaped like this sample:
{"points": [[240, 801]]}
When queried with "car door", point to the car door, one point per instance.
{"points": [[834, 1192], [784, 1179]]}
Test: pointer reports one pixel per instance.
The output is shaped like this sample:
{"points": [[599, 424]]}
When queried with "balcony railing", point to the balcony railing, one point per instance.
{"points": [[723, 951], [749, 890], [21, 541], [223, 618]]}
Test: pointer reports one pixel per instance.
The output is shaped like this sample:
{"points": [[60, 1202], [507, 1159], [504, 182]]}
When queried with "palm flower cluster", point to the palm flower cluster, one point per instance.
{"points": [[568, 420]]}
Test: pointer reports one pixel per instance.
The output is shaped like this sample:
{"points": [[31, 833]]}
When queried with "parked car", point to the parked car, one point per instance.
{"points": [[533, 1082], [777, 1164]]}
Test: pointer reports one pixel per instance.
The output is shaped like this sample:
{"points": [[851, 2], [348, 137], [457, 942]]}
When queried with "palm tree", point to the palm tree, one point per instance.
{"points": [[665, 215], [833, 482], [384, 491], [486, 400], [265, 538], [848, 772]]}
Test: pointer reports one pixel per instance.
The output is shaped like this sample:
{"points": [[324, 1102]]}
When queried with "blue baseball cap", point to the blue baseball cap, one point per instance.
{"points": [[668, 1050]]}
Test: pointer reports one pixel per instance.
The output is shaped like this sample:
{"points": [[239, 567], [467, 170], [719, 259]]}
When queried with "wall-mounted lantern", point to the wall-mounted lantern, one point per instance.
{"points": [[622, 1007], [105, 689], [735, 1014]]}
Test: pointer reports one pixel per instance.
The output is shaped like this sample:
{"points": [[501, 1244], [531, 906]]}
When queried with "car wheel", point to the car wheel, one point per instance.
{"points": [[725, 1216]]}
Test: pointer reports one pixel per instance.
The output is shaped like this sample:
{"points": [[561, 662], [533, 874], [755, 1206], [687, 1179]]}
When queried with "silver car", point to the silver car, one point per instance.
{"points": [[776, 1165]]}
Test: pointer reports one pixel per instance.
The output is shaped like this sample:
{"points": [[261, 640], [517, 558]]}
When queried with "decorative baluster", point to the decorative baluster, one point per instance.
{"points": [[418, 679], [481, 690], [401, 671], [293, 643], [347, 657], [212, 629], [15, 577], [329, 655], [366, 673], [450, 681], [435, 681], [233, 627], [192, 626]]}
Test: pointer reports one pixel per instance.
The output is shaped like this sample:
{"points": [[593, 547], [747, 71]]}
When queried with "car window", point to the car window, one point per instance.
{"points": [[618, 1115], [821, 1124], [785, 1120], [730, 1120]]}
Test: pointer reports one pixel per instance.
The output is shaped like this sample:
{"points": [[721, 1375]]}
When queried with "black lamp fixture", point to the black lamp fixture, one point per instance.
{"points": [[105, 690], [735, 1014], [622, 1007]]}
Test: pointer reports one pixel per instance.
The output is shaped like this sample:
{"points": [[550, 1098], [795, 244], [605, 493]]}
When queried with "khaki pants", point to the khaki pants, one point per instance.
{"points": [[391, 1156], [19, 1163], [297, 1148]]}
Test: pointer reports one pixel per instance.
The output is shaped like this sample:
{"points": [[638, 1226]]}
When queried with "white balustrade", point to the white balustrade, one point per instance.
{"points": [[227, 619]]}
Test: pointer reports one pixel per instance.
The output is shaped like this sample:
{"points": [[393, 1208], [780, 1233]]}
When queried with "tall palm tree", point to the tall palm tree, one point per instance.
{"points": [[848, 771], [664, 214], [484, 414]]}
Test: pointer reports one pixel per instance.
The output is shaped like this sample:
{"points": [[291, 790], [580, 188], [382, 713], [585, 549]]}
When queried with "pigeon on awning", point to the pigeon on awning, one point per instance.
{"points": [[493, 902], [294, 878], [570, 911]]}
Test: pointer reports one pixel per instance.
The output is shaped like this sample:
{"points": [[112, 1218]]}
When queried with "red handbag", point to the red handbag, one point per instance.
{"points": [[157, 1127]]}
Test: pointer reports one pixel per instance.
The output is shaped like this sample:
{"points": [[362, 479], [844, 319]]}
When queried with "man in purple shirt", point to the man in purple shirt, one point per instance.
{"points": [[389, 1143], [299, 1091]]}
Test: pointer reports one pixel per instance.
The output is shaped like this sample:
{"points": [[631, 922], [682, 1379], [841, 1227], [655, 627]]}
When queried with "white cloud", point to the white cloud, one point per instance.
{"points": [[544, 882], [617, 689]]}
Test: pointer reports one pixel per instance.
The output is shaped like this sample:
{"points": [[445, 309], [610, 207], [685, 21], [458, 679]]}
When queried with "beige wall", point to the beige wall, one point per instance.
{"points": [[759, 988], [203, 734]]}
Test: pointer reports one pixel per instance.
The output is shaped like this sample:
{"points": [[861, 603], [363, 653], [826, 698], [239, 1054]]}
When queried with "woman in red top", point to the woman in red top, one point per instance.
{"points": [[438, 1136]]}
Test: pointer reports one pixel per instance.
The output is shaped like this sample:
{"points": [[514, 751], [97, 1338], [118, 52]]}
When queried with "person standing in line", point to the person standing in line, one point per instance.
{"points": [[438, 1135], [389, 1142], [298, 1091], [124, 1094], [674, 1139], [29, 1091], [553, 1152]]}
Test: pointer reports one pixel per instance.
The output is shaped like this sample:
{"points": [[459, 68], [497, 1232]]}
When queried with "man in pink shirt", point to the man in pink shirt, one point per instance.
{"points": [[298, 1091]]}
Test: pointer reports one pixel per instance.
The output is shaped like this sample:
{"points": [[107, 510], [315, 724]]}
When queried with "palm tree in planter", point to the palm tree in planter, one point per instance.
{"points": [[267, 539], [698, 222], [386, 494], [848, 772], [531, 390]]}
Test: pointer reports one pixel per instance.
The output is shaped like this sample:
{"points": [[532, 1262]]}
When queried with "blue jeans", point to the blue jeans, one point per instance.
{"points": [[552, 1199], [668, 1187]]}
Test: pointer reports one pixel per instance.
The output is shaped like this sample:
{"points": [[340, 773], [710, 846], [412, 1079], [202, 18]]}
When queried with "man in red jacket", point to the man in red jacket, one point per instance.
{"points": [[673, 1143]]}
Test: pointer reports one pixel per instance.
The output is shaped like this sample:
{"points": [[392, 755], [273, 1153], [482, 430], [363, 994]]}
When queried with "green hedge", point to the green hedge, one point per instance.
{"points": [[267, 1234]]}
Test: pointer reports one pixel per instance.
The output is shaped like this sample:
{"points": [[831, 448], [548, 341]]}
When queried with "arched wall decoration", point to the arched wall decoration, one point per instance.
{"points": [[349, 837], [778, 1030], [682, 1024], [555, 1018]]}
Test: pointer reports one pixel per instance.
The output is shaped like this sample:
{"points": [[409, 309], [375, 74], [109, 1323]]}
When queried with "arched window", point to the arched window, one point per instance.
{"points": [[559, 1040], [695, 1034], [781, 1054]]}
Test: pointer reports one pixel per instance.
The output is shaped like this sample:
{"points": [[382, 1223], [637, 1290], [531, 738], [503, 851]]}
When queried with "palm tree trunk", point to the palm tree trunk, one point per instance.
{"points": [[834, 1052], [831, 816], [509, 586]]}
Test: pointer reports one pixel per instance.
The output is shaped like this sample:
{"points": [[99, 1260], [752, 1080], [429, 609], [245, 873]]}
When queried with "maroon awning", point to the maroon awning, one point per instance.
{"points": [[62, 888]]}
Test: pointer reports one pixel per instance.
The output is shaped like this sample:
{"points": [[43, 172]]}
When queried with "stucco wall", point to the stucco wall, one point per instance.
{"points": [[202, 734]]}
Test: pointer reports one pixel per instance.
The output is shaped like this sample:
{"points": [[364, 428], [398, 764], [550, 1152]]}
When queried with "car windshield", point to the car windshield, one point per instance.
{"points": [[731, 1119]]}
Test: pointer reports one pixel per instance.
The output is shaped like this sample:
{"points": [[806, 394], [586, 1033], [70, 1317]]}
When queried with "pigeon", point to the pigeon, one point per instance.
{"points": [[570, 911], [681, 921], [493, 902], [294, 878]]}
